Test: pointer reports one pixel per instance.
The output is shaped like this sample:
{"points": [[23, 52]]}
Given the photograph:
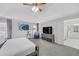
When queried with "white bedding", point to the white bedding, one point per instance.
{"points": [[17, 47]]}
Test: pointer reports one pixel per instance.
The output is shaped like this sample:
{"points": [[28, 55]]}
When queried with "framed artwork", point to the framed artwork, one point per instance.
{"points": [[23, 27]]}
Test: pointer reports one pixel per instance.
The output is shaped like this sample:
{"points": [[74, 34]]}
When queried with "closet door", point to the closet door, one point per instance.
{"points": [[9, 28]]}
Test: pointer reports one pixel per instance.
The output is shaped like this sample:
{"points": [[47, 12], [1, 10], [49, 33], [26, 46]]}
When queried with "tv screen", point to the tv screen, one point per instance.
{"points": [[47, 30], [50, 29]]}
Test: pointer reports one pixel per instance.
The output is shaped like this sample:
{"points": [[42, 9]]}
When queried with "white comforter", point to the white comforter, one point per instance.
{"points": [[17, 47]]}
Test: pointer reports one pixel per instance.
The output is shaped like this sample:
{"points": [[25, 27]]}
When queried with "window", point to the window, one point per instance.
{"points": [[3, 29]]}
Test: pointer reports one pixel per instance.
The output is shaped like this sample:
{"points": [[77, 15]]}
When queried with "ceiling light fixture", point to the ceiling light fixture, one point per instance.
{"points": [[35, 6], [35, 9]]}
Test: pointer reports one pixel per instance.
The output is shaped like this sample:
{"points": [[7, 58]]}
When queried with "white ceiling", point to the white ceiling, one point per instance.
{"points": [[51, 11]]}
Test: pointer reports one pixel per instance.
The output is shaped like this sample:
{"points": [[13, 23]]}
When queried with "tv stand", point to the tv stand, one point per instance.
{"points": [[48, 37]]}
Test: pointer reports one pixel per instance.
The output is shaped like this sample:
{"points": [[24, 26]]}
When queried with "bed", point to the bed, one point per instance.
{"points": [[17, 47]]}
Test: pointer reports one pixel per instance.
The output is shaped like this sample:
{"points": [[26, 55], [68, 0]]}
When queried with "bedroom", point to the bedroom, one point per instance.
{"points": [[22, 29]]}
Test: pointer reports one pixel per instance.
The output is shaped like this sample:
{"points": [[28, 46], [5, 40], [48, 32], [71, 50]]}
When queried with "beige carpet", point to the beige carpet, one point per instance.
{"points": [[50, 49]]}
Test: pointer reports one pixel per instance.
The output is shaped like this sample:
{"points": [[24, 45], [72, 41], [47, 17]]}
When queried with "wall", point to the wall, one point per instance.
{"points": [[15, 29], [58, 25], [2, 19], [58, 29]]}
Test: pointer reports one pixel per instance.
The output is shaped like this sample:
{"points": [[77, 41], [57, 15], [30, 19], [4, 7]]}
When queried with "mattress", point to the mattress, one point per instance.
{"points": [[17, 47]]}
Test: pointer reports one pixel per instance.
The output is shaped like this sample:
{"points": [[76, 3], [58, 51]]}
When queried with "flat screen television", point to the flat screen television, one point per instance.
{"points": [[47, 30]]}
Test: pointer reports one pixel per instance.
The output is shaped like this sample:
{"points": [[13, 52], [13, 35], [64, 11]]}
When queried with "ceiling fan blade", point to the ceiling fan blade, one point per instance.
{"points": [[40, 4], [30, 4]]}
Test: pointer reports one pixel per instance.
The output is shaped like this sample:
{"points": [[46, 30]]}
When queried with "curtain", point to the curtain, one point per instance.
{"points": [[9, 28]]}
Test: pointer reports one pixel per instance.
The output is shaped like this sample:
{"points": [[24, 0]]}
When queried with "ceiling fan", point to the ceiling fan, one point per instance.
{"points": [[35, 6]]}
